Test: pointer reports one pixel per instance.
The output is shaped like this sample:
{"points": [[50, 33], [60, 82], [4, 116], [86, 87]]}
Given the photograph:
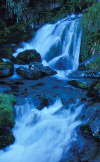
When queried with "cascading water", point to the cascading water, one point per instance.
{"points": [[58, 44], [44, 135]]}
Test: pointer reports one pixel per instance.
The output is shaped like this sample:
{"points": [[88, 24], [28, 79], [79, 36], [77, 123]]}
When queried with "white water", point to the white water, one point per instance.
{"points": [[42, 136], [58, 44]]}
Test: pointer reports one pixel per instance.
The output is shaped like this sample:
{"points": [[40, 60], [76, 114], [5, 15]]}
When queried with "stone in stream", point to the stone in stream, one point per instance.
{"points": [[27, 57], [78, 84], [35, 71]]}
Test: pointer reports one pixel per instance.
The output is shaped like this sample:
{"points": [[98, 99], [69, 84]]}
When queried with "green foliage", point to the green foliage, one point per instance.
{"points": [[91, 32], [14, 34]]}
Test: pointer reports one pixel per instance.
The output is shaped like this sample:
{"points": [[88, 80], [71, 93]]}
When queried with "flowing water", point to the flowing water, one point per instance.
{"points": [[58, 44], [44, 136]]}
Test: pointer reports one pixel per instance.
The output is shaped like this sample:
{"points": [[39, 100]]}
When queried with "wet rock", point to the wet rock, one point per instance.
{"points": [[78, 84], [35, 71], [6, 69], [27, 57], [41, 101]]}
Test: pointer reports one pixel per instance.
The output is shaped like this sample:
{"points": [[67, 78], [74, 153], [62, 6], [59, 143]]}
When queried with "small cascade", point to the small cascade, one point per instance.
{"points": [[58, 44], [42, 135]]}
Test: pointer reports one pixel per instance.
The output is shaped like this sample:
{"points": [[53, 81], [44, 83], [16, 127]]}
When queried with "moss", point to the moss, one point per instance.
{"points": [[6, 119], [6, 110]]}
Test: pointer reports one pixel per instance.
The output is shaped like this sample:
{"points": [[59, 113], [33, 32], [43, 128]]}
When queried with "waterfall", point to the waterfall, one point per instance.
{"points": [[58, 44], [42, 135], [46, 135]]}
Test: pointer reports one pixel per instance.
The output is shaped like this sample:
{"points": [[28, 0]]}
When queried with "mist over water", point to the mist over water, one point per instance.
{"points": [[42, 135]]}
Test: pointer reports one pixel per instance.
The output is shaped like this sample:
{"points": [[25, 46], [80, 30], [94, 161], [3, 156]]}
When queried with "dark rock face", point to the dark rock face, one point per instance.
{"points": [[27, 57], [6, 137], [35, 71], [6, 69]]}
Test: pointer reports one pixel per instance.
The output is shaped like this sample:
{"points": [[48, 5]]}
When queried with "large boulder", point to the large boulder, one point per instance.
{"points": [[6, 69], [6, 119], [35, 71], [27, 57]]}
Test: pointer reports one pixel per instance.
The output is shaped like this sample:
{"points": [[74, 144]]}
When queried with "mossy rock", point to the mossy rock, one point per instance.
{"points": [[6, 110], [6, 69], [78, 84], [27, 57], [6, 119]]}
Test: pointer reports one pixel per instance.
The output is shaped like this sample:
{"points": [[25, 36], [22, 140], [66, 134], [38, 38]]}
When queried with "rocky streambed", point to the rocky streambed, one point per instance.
{"points": [[37, 84], [43, 93]]}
